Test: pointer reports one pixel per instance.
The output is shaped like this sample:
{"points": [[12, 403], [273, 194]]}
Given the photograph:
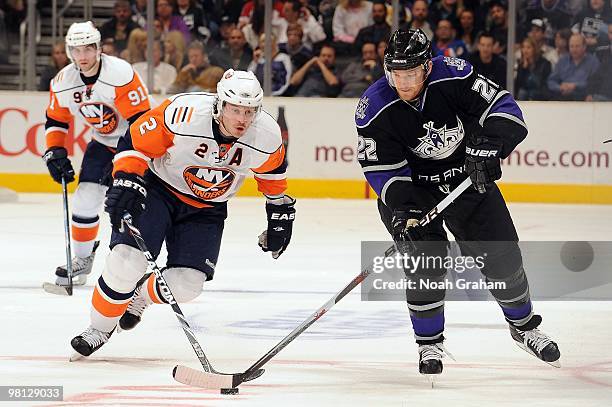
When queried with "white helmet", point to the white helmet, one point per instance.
{"points": [[82, 34], [238, 88]]}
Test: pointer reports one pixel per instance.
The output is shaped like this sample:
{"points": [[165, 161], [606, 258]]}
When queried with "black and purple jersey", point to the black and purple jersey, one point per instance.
{"points": [[424, 141]]}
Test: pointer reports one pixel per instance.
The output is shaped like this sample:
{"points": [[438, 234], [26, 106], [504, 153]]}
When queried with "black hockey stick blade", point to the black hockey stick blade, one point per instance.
{"points": [[211, 380], [57, 289]]}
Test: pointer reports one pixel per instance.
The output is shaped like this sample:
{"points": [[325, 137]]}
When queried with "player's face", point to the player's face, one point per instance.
{"points": [[237, 119], [409, 82], [85, 56]]}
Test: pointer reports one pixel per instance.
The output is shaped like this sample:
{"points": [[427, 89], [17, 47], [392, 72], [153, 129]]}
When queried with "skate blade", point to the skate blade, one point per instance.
{"points": [[555, 363], [81, 279], [52, 288], [431, 378]]}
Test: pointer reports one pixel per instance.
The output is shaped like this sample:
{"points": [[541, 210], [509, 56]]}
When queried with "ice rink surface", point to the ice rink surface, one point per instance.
{"points": [[359, 354]]}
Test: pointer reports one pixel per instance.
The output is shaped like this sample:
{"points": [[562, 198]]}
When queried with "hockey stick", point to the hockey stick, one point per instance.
{"points": [[210, 378], [55, 288], [192, 377]]}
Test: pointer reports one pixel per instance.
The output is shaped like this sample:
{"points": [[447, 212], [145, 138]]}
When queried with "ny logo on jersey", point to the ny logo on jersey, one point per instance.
{"points": [[438, 143], [360, 113], [456, 62], [100, 116], [208, 182]]}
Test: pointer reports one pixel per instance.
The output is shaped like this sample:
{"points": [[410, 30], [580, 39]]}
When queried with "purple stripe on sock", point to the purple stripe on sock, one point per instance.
{"points": [[428, 326], [517, 313]]}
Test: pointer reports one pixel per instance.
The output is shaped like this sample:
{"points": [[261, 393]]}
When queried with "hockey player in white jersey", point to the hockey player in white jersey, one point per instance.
{"points": [[107, 94], [176, 168]]}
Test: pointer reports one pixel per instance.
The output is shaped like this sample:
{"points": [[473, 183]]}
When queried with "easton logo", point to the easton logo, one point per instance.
{"points": [[100, 116], [438, 143], [208, 182]]}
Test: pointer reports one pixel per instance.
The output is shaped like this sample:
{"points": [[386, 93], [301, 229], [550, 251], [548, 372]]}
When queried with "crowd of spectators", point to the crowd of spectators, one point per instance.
{"points": [[334, 48]]}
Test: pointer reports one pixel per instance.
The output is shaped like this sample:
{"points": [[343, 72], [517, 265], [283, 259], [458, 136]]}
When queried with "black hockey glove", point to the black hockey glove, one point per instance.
{"points": [[482, 162], [59, 164], [281, 215], [127, 194], [406, 230]]}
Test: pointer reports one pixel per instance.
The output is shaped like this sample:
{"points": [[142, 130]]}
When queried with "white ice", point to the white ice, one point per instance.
{"points": [[360, 353]]}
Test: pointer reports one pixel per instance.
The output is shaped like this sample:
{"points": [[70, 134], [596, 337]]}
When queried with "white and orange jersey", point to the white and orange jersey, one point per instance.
{"points": [[176, 142], [105, 106]]}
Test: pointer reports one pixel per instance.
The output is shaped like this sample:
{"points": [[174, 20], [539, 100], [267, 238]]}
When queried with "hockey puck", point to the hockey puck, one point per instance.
{"points": [[233, 390]]}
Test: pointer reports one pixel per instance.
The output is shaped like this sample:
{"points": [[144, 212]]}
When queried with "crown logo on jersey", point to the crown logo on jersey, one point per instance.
{"points": [[360, 112], [438, 143], [100, 116], [208, 182]]}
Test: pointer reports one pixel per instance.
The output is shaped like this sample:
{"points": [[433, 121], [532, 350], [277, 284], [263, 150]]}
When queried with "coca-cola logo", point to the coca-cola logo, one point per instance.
{"points": [[27, 140]]}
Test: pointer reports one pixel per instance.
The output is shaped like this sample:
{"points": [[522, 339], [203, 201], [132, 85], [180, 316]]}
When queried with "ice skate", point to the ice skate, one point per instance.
{"points": [[538, 344], [81, 267], [88, 342], [430, 360], [136, 307]]}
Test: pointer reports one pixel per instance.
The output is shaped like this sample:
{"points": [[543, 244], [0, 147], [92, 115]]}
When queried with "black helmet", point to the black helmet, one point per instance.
{"points": [[407, 50]]}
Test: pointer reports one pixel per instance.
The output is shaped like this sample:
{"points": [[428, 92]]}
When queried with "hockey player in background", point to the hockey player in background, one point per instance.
{"points": [[422, 129], [176, 168], [108, 95]]}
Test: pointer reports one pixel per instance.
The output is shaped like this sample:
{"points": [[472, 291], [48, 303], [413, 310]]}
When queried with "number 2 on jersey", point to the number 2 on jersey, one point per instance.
{"points": [[484, 88], [366, 149], [148, 125]]}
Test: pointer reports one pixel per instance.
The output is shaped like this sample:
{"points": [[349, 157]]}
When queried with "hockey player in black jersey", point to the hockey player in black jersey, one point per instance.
{"points": [[422, 129]]}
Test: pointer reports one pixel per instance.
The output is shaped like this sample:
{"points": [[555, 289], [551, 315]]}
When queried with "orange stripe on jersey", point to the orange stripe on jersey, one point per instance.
{"points": [[271, 186], [149, 133], [57, 112], [81, 234], [55, 138], [151, 289], [132, 165], [179, 115], [105, 307], [189, 201], [191, 109], [132, 98], [274, 161]]}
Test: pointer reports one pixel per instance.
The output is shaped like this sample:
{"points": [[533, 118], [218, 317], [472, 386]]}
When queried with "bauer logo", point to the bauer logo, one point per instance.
{"points": [[100, 116], [208, 182]]}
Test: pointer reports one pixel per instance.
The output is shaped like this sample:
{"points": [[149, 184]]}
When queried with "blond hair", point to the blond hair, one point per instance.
{"points": [[177, 39]]}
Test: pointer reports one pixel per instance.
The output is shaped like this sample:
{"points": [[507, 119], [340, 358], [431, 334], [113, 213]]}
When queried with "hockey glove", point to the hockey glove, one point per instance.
{"points": [[281, 215], [406, 231], [59, 164], [127, 194], [482, 162]]}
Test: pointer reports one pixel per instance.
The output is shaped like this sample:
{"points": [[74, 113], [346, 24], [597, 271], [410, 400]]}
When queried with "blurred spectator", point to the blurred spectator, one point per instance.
{"points": [[137, 42], [198, 62], [592, 22], [569, 79], [174, 50], [169, 21], [467, 30], [255, 28], [444, 10], [561, 45], [358, 76], [294, 47], [230, 9], [538, 35], [326, 16], [108, 47], [379, 69], [296, 13], [139, 12], [376, 32], [249, 7], [120, 25], [318, 77], [193, 17], [208, 79], [445, 42], [4, 44], [350, 17], [59, 59], [557, 13], [281, 66], [498, 11], [600, 84], [420, 13], [237, 55], [225, 28], [533, 71], [15, 12], [163, 74], [486, 63]]}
